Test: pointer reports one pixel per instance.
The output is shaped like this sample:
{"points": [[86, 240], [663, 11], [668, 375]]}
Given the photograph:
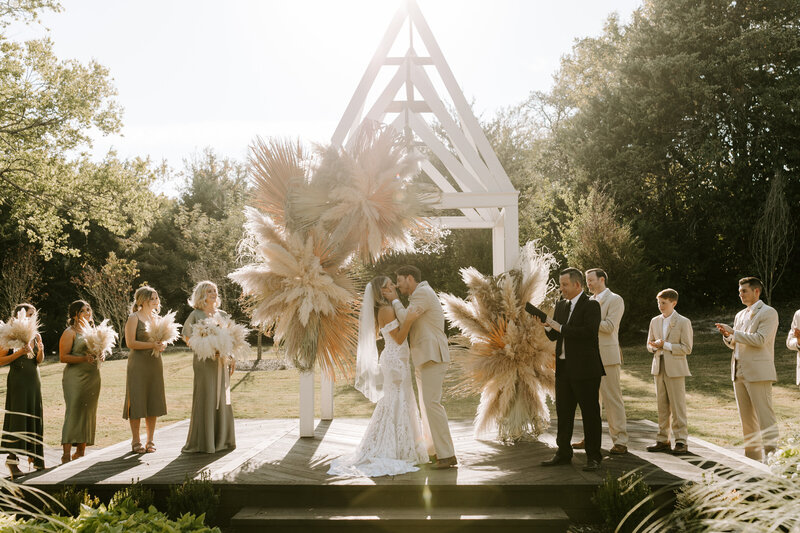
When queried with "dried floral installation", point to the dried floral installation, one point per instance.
{"points": [[19, 331], [502, 353], [162, 329], [100, 340], [309, 218]]}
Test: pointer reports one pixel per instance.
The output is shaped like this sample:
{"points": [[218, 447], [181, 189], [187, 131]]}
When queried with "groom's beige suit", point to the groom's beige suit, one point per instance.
{"points": [[430, 355]]}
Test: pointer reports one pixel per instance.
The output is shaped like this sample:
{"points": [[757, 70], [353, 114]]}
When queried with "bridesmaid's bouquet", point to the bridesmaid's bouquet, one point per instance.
{"points": [[219, 335], [19, 331], [100, 340], [208, 339], [240, 348], [162, 329]]}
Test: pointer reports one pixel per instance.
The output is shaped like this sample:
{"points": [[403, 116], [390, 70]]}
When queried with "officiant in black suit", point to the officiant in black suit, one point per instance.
{"points": [[574, 327]]}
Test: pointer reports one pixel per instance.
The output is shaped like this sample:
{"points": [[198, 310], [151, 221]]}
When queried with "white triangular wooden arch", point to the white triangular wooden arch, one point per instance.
{"points": [[479, 186]]}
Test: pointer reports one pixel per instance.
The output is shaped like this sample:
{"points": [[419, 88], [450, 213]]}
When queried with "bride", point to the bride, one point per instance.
{"points": [[393, 443]]}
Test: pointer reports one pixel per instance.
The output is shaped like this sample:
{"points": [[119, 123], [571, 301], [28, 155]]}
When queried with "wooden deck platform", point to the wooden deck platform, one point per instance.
{"points": [[272, 464]]}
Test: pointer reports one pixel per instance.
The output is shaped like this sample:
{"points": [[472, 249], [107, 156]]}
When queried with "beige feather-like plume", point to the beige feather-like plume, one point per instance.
{"points": [[162, 329], [502, 352], [100, 340], [19, 331]]}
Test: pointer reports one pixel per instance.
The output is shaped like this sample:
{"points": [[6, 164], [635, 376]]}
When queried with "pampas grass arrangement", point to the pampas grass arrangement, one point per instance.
{"points": [[502, 353], [100, 340], [307, 222], [19, 331], [162, 329]]}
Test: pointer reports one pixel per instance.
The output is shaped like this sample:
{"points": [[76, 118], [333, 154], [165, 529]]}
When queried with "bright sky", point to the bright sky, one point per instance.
{"points": [[198, 73]]}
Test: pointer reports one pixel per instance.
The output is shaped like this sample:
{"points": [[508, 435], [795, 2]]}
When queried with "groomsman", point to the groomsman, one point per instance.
{"points": [[579, 368], [752, 339], [792, 342], [612, 307], [670, 340]]}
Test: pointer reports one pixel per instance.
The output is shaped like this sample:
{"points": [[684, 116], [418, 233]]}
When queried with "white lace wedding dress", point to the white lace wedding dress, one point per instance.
{"points": [[393, 443]]}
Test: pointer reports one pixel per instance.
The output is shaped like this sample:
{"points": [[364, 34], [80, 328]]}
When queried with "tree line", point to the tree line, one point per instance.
{"points": [[666, 152]]}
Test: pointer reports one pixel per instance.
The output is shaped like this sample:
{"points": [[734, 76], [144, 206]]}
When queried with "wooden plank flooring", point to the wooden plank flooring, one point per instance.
{"points": [[269, 452]]}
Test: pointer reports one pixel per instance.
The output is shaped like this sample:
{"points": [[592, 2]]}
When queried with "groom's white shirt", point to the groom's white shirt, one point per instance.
{"points": [[426, 339]]}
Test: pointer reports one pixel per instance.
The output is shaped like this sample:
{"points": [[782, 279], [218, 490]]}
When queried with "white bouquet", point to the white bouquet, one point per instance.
{"points": [[240, 348], [162, 329], [100, 340], [20, 331], [208, 339]]}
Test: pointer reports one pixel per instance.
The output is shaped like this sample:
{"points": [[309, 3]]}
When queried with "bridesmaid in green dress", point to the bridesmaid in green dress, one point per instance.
{"points": [[23, 395], [211, 426], [81, 383], [144, 390]]}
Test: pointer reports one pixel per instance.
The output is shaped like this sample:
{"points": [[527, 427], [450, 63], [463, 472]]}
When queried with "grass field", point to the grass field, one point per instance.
{"points": [[274, 394]]}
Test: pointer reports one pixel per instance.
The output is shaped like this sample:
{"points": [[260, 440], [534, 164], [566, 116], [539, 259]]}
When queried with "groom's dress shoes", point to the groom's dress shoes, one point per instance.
{"points": [[557, 460], [592, 465], [446, 462]]}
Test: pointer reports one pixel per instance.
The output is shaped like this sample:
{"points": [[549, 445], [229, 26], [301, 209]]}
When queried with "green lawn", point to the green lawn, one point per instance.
{"points": [[712, 408], [273, 394]]}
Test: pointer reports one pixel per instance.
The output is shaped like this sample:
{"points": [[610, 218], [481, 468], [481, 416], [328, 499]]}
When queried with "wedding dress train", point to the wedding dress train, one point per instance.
{"points": [[393, 443]]}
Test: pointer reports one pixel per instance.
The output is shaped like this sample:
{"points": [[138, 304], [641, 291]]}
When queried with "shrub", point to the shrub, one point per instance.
{"points": [[134, 496], [623, 502], [117, 519], [195, 496], [71, 499]]}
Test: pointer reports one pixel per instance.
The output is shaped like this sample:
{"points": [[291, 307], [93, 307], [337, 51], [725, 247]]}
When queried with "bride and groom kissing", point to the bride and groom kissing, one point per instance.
{"points": [[400, 436]]}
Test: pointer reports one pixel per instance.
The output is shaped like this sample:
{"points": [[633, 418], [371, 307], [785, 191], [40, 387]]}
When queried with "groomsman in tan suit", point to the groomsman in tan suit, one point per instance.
{"points": [[429, 352], [612, 307], [752, 339], [670, 340], [792, 342]]}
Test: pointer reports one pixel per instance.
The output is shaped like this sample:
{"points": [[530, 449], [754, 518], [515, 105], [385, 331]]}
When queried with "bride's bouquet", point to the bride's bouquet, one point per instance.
{"points": [[162, 329], [19, 331], [100, 340]]}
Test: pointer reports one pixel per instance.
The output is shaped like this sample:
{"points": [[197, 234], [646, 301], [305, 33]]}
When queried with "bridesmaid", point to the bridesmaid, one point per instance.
{"points": [[81, 383], [24, 395], [144, 390], [211, 424]]}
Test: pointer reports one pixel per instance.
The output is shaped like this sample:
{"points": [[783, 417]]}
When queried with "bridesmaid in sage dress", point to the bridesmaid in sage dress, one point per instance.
{"points": [[22, 433], [81, 383], [211, 424], [144, 388]]}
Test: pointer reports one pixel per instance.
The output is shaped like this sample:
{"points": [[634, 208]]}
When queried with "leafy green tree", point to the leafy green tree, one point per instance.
{"points": [[683, 115], [595, 237]]}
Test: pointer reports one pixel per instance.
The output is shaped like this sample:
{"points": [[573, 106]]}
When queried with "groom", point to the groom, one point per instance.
{"points": [[430, 355]]}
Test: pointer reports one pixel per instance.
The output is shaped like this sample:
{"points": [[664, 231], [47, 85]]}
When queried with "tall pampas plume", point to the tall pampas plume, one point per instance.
{"points": [[162, 329], [19, 331], [100, 340], [365, 196], [502, 352]]}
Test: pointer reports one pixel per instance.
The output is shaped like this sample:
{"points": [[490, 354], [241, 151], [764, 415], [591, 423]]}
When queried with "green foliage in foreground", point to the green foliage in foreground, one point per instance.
{"points": [[133, 496], [120, 518], [623, 502], [194, 496], [71, 500]]}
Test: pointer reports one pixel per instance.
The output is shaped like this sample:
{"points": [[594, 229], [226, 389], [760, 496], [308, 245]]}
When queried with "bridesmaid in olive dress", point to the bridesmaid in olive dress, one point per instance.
{"points": [[81, 383], [211, 424], [144, 390], [22, 433]]}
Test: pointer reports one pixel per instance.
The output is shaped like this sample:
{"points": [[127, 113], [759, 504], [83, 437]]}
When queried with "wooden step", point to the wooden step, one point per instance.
{"points": [[419, 520]]}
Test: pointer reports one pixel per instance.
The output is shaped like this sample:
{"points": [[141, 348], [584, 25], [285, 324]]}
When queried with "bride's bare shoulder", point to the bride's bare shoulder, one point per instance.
{"points": [[385, 315]]}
